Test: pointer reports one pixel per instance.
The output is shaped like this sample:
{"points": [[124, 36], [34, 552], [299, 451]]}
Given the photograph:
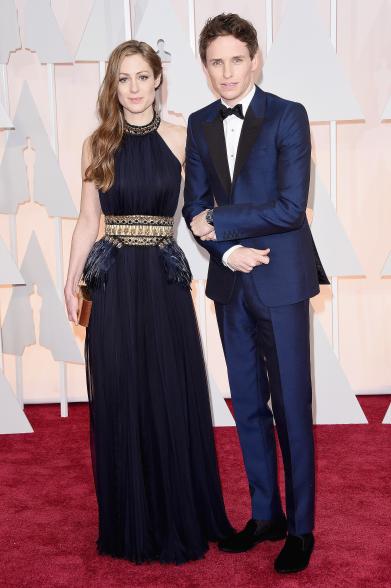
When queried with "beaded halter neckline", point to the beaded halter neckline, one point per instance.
{"points": [[144, 129]]}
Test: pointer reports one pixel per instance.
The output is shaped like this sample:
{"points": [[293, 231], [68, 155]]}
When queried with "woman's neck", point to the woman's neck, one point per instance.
{"points": [[140, 118]]}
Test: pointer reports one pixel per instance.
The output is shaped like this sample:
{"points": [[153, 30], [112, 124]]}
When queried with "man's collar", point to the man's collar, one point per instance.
{"points": [[245, 102]]}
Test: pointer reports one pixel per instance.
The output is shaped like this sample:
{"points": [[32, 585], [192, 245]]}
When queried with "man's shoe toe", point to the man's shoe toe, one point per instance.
{"points": [[295, 555], [254, 532]]}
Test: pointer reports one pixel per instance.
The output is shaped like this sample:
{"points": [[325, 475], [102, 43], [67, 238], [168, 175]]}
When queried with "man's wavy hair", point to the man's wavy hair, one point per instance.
{"points": [[224, 25], [106, 139]]}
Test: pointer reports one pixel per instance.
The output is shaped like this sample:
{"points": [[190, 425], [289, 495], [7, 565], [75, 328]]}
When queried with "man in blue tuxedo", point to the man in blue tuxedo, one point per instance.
{"points": [[247, 179]]}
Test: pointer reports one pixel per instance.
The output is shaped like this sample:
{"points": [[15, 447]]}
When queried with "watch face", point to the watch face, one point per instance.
{"points": [[209, 217]]}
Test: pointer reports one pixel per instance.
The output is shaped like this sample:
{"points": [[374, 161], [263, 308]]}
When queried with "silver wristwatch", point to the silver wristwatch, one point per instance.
{"points": [[209, 217]]}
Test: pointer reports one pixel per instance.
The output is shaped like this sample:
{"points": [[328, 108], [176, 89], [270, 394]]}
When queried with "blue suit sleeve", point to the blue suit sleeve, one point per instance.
{"points": [[287, 211], [198, 195]]}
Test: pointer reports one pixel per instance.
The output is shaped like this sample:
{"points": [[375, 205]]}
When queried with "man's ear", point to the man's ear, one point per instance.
{"points": [[255, 61]]}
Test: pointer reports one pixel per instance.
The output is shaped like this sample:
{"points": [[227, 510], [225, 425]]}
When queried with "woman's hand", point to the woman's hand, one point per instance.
{"points": [[72, 303], [200, 227]]}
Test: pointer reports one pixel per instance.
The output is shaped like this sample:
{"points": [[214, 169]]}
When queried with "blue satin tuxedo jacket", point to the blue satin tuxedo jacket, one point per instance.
{"points": [[264, 205]]}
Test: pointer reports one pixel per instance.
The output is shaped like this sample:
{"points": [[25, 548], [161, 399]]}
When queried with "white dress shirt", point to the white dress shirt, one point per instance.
{"points": [[232, 129]]}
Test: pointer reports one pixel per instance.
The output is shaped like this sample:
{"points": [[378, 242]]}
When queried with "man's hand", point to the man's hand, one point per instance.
{"points": [[199, 226], [210, 236], [244, 259]]}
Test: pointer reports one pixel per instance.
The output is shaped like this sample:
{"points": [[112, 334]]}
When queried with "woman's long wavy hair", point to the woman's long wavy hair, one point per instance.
{"points": [[107, 137]]}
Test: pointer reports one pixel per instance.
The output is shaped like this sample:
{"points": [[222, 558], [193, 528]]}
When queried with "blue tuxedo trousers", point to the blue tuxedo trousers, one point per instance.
{"points": [[267, 352]]}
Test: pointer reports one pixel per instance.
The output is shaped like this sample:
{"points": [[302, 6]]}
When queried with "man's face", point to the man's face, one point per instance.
{"points": [[230, 68]]}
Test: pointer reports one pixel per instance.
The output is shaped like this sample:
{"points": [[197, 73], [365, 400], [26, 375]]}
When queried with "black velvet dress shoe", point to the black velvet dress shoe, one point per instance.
{"points": [[254, 532], [295, 555]]}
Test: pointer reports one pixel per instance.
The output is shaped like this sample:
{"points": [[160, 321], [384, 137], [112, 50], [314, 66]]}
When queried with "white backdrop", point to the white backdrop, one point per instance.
{"points": [[333, 56]]}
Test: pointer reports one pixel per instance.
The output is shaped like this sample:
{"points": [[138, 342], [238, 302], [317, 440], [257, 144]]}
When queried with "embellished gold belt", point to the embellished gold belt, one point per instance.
{"points": [[139, 229]]}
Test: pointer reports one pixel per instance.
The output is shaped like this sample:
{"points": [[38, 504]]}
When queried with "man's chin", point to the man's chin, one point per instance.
{"points": [[230, 95]]}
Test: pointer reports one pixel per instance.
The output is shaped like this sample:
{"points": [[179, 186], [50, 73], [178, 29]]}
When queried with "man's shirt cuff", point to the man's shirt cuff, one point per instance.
{"points": [[227, 254]]}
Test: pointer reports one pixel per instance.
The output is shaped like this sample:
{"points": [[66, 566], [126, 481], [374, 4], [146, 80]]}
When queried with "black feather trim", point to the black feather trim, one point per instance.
{"points": [[175, 263], [99, 261]]}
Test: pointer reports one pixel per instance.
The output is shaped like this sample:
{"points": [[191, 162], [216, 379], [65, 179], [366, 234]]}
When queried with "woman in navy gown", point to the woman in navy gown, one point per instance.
{"points": [[156, 475]]}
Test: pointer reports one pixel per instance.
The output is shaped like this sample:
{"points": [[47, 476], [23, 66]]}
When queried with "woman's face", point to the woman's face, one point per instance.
{"points": [[136, 84]]}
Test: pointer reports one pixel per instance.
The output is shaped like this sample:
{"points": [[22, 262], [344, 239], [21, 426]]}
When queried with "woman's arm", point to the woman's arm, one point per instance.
{"points": [[84, 235]]}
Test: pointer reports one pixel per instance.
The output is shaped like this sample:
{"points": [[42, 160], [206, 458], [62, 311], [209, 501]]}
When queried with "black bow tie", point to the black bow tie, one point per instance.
{"points": [[236, 110]]}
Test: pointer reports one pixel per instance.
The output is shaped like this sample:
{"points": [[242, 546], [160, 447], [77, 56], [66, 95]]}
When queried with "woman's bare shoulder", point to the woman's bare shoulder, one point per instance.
{"points": [[175, 137], [177, 132]]}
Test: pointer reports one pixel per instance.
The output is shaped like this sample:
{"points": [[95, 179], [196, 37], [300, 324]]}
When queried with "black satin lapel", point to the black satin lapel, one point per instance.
{"points": [[322, 277], [214, 134], [249, 133]]}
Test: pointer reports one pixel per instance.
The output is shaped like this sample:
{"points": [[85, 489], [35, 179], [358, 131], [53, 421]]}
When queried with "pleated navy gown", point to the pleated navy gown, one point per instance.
{"points": [[154, 459]]}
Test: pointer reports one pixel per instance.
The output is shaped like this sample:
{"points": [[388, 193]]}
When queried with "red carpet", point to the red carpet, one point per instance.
{"points": [[48, 513]]}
